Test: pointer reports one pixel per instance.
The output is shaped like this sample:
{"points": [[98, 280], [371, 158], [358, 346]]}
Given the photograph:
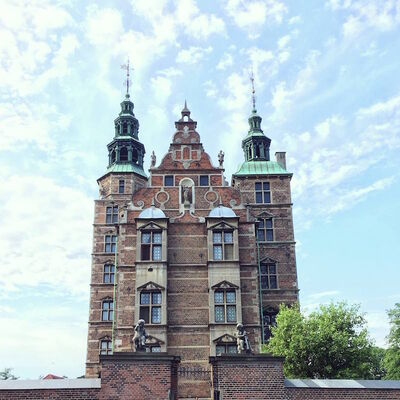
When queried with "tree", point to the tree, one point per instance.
{"points": [[6, 374], [392, 356], [331, 342]]}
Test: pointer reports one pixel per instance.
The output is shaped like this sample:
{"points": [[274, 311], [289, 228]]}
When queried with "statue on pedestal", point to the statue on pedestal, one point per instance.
{"points": [[221, 156], [139, 340], [242, 339]]}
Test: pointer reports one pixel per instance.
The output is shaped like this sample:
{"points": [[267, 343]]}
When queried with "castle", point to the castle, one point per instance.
{"points": [[185, 250]]}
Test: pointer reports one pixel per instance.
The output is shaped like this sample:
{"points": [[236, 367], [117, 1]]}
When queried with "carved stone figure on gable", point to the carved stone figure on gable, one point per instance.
{"points": [[153, 159], [221, 156]]}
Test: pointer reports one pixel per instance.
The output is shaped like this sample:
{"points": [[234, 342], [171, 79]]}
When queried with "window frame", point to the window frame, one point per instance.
{"points": [[110, 273], [112, 214], [271, 313], [109, 310], [225, 304], [226, 346], [121, 186], [170, 184], [150, 306], [265, 229], [108, 349], [204, 177], [262, 193], [268, 274], [111, 245], [151, 245], [223, 244]]}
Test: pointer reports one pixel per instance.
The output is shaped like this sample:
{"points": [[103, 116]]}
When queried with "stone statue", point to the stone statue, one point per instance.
{"points": [[186, 199], [153, 159], [221, 156], [139, 340], [242, 339]]}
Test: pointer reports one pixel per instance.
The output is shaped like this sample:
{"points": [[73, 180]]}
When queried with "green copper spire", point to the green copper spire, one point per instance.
{"points": [[255, 145], [126, 152]]}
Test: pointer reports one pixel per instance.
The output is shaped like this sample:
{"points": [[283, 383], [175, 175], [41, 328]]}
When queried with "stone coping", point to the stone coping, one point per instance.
{"points": [[140, 356], [245, 358], [341, 384], [29, 384]]}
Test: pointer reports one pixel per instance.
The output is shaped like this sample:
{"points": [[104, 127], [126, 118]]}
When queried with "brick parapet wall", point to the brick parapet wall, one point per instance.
{"points": [[50, 394], [243, 377], [138, 376]]}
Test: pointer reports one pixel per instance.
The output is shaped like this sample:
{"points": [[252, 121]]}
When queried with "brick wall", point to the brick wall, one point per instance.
{"points": [[138, 376], [242, 377]]}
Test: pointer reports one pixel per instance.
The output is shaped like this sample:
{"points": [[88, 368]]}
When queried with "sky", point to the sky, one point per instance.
{"points": [[327, 86]]}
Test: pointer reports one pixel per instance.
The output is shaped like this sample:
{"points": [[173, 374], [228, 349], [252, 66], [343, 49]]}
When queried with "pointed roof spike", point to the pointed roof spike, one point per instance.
{"points": [[253, 91], [185, 108]]}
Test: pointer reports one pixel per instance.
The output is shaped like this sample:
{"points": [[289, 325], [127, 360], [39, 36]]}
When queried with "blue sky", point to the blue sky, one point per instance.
{"points": [[327, 87]]}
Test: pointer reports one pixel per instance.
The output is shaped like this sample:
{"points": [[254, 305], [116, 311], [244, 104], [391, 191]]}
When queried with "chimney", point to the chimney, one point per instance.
{"points": [[281, 158]]}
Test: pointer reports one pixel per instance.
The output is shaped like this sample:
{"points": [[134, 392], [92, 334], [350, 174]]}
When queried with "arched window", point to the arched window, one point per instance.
{"points": [[269, 320], [123, 154], [257, 150], [107, 310], [134, 155], [105, 346], [125, 128], [113, 156]]}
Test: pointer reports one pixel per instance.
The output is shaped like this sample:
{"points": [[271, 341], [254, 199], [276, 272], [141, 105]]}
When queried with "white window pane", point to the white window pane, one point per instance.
{"points": [[219, 297], [217, 237], [231, 313], [156, 253], [156, 315], [157, 237], [217, 252], [228, 237], [219, 314], [146, 237]]}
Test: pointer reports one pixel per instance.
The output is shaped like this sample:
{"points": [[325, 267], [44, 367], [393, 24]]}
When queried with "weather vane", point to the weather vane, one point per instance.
{"points": [[127, 68], [253, 90]]}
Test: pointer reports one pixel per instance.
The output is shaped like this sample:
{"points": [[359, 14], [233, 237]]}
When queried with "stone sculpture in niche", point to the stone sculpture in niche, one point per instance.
{"points": [[242, 339], [139, 340]]}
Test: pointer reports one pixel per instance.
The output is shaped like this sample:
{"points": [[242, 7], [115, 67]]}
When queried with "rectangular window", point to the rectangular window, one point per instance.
{"points": [[110, 243], [121, 186], [223, 348], [151, 248], [108, 273], [225, 305], [107, 310], [155, 349], [204, 180], [168, 180], [265, 231], [222, 245], [150, 307], [263, 193], [112, 215], [269, 277], [105, 347]]}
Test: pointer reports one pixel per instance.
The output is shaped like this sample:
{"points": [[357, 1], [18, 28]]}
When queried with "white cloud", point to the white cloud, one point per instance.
{"points": [[225, 61], [193, 54], [46, 234], [162, 88], [367, 14], [211, 89], [252, 15]]}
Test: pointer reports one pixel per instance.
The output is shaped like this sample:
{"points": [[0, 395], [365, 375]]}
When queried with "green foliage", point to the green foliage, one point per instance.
{"points": [[392, 356], [6, 374], [331, 342]]}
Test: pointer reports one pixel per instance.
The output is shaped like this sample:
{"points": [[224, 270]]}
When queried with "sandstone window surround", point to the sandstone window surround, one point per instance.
{"points": [[269, 320], [111, 214], [107, 310], [108, 273], [225, 303], [222, 245], [151, 305], [105, 346], [151, 245], [262, 192], [110, 243], [225, 344], [151, 242]]}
